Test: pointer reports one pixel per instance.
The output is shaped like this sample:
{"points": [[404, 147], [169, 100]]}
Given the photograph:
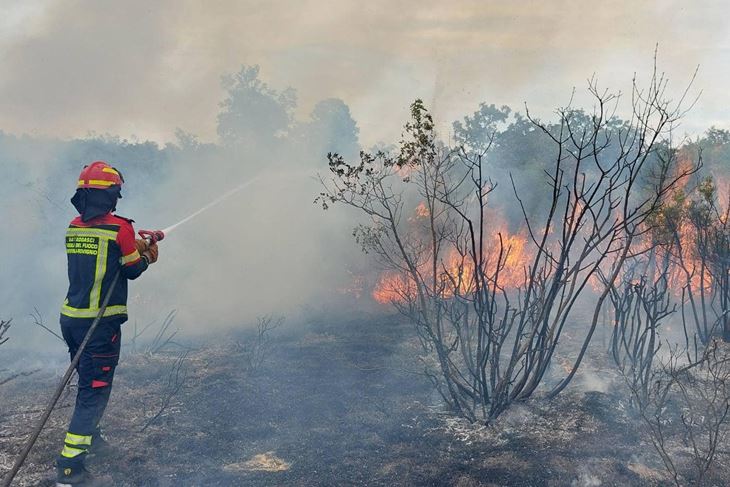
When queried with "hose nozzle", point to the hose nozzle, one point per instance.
{"points": [[152, 236]]}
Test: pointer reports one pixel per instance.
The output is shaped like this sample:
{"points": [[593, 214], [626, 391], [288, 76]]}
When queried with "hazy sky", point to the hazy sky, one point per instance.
{"points": [[144, 68]]}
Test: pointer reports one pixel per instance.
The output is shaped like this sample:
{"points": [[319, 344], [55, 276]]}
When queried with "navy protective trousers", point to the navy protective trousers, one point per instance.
{"points": [[96, 374]]}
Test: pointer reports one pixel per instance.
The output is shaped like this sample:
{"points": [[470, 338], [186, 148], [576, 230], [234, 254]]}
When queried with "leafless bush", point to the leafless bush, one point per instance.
{"points": [[687, 412], [162, 339], [492, 339], [256, 348], [700, 234], [684, 397], [4, 327], [164, 336], [641, 302], [176, 380]]}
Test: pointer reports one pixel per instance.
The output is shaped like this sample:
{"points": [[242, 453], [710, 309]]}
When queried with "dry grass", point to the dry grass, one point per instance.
{"points": [[263, 462]]}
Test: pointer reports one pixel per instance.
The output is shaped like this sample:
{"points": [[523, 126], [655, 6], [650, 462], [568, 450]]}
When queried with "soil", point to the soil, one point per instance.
{"points": [[333, 404]]}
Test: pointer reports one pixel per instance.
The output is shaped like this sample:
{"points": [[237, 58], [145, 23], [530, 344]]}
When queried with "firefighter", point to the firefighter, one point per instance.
{"points": [[99, 244]]}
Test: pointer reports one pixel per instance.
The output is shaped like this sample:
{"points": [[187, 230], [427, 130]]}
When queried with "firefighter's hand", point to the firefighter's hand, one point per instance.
{"points": [[141, 245], [151, 253]]}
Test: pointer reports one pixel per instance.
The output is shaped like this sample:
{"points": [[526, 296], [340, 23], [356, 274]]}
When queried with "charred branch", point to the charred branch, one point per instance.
{"points": [[38, 321], [4, 327], [686, 411], [163, 340]]}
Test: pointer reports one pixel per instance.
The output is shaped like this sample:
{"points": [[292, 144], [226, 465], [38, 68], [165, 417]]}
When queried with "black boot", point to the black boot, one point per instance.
{"points": [[78, 476]]}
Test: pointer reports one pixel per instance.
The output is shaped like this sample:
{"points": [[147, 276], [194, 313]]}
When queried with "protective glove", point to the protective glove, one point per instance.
{"points": [[151, 253], [141, 245]]}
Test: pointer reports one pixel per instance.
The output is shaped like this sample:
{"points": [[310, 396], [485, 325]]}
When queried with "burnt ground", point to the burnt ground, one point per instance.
{"points": [[337, 403]]}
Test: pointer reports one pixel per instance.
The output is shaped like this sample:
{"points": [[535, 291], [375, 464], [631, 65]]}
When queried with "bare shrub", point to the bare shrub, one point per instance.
{"points": [[704, 258], [490, 339], [256, 348], [163, 339], [16, 375], [683, 398], [687, 412], [641, 301], [176, 379], [639, 309]]}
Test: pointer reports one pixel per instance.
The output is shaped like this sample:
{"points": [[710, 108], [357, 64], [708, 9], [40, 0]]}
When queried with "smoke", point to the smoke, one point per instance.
{"points": [[267, 249], [141, 68]]}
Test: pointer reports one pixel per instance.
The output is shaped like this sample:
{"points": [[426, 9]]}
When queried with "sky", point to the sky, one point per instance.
{"points": [[142, 69]]}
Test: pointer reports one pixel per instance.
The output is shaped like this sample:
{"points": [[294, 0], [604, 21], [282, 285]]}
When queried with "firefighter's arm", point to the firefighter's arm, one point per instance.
{"points": [[133, 263]]}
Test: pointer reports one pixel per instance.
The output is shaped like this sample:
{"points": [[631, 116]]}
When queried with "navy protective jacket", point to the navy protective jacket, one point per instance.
{"points": [[96, 250]]}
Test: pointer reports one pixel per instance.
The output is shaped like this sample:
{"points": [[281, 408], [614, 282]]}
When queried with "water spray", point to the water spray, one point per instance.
{"points": [[154, 236]]}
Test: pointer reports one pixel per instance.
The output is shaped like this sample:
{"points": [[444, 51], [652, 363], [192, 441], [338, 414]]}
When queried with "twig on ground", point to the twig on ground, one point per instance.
{"points": [[4, 327], [18, 374]]}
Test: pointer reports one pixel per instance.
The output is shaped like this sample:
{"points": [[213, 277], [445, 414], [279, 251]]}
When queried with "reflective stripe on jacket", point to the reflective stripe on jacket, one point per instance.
{"points": [[96, 249]]}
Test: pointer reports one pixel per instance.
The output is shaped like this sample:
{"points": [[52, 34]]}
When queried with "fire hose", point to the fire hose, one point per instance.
{"points": [[61, 386], [152, 236]]}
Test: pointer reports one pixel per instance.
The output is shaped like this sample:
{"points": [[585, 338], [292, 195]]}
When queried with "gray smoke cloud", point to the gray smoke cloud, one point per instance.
{"points": [[144, 68], [265, 250]]}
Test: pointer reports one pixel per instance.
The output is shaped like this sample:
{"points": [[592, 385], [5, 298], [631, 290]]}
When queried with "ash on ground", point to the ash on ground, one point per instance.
{"points": [[331, 403]]}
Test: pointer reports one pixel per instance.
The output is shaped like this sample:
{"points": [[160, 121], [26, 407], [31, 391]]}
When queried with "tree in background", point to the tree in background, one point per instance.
{"points": [[330, 128], [253, 114]]}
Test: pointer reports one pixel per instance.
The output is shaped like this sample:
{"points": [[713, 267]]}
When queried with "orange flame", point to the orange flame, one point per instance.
{"points": [[456, 275], [457, 271], [393, 287]]}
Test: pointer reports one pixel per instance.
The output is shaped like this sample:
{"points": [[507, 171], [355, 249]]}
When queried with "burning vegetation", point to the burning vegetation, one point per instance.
{"points": [[625, 231]]}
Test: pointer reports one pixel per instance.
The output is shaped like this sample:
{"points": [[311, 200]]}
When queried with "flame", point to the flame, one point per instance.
{"points": [[690, 263], [394, 287], [456, 270], [685, 271], [421, 210], [456, 274], [686, 259], [516, 260]]}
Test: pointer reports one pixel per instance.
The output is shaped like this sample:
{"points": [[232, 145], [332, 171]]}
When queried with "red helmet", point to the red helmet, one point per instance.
{"points": [[99, 175]]}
